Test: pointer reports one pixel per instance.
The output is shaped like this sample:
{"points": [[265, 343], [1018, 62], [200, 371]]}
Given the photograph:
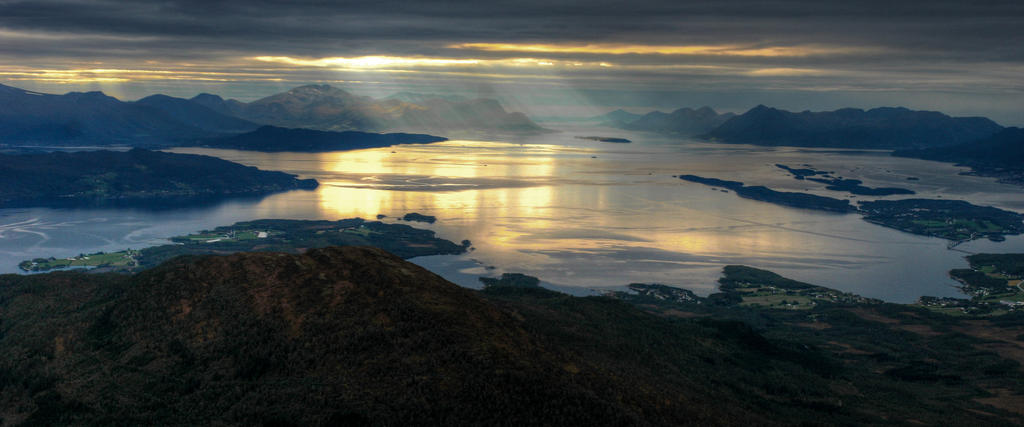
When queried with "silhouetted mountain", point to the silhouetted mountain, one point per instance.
{"points": [[356, 336], [684, 121], [878, 128], [616, 118], [91, 117], [139, 175], [323, 107], [1004, 149], [1001, 155], [273, 138], [197, 115], [228, 107]]}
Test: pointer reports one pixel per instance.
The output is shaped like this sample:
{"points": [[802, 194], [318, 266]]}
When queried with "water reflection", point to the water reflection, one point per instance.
{"points": [[592, 215], [585, 214]]}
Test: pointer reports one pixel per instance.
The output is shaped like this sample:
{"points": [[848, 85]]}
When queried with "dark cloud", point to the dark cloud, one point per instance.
{"points": [[980, 29], [953, 47]]}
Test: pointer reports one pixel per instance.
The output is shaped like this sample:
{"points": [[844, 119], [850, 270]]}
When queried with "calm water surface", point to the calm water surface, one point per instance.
{"points": [[577, 213]]}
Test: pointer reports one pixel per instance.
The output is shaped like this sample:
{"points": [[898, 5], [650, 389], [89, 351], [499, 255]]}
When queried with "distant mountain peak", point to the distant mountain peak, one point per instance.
{"points": [[684, 121], [157, 96], [319, 90], [91, 95], [319, 87], [207, 96]]}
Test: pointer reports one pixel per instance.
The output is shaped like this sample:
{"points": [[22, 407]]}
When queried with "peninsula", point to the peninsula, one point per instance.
{"points": [[278, 139], [135, 176], [954, 220], [266, 235]]}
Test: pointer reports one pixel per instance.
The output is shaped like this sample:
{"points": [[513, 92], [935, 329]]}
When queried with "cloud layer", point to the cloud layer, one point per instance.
{"points": [[962, 57]]}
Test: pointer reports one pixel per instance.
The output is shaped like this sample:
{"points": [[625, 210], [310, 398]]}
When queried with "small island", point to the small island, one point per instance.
{"points": [[802, 173], [605, 139], [852, 186], [134, 176], [267, 235], [273, 139], [783, 198], [417, 217]]}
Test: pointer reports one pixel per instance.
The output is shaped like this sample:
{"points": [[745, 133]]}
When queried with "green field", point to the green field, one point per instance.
{"points": [[993, 283], [126, 258]]}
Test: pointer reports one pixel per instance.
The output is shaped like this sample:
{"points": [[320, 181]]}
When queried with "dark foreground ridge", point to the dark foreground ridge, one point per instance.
{"points": [[135, 176], [278, 139], [358, 336]]}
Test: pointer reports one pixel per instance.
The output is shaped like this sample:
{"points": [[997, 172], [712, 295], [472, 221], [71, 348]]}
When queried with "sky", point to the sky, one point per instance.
{"points": [[547, 58]]}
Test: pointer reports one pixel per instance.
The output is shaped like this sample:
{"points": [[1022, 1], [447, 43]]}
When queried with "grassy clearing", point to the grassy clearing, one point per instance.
{"points": [[99, 259]]}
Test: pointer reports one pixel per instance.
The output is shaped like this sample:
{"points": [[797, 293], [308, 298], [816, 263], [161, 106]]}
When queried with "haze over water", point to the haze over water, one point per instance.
{"points": [[578, 213]]}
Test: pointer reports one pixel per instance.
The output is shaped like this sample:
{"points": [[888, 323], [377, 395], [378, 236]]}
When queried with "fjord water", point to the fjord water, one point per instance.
{"points": [[578, 213]]}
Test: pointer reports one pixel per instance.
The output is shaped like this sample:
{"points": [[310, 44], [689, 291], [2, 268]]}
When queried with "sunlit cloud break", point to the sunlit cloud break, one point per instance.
{"points": [[695, 50], [398, 62], [369, 61]]}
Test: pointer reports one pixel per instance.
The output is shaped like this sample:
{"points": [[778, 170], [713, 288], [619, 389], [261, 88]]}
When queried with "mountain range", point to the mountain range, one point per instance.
{"points": [[93, 118], [323, 107], [683, 122], [878, 128], [616, 118]]}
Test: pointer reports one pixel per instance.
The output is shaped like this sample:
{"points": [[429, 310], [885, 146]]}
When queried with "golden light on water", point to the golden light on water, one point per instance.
{"points": [[574, 212], [539, 206], [478, 176], [507, 197]]}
